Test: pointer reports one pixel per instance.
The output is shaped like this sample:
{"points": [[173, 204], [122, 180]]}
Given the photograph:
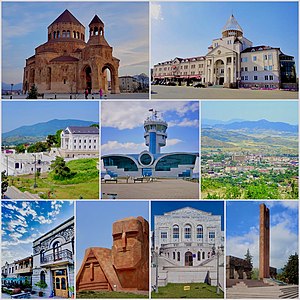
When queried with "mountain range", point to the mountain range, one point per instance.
{"points": [[40, 130]]}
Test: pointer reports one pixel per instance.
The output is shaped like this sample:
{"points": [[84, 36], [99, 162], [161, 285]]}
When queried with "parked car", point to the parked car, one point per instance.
{"points": [[199, 85]]}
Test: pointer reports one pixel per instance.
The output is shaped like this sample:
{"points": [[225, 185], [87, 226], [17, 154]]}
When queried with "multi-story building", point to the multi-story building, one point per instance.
{"points": [[187, 242], [128, 84], [79, 141], [233, 62], [53, 260]]}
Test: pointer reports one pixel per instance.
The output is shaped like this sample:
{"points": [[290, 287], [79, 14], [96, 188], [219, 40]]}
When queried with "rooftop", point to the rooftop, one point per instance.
{"points": [[232, 24], [83, 130], [66, 17]]}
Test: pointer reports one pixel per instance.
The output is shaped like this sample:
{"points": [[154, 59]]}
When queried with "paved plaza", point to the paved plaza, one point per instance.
{"points": [[184, 92], [81, 96], [159, 189]]}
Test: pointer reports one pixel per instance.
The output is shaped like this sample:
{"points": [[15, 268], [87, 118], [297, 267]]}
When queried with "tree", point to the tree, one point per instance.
{"points": [[37, 147], [60, 169], [248, 257], [95, 125], [290, 270], [4, 183], [20, 148], [33, 93], [58, 138], [51, 140]]}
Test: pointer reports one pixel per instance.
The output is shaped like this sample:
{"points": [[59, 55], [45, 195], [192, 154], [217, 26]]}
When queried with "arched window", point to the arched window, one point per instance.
{"points": [[187, 231], [174, 255], [175, 232], [199, 232], [64, 34], [91, 31], [178, 256], [199, 255], [68, 33], [58, 34], [77, 34], [42, 255], [57, 250], [74, 34], [54, 34], [101, 31], [96, 31], [203, 255], [42, 276]]}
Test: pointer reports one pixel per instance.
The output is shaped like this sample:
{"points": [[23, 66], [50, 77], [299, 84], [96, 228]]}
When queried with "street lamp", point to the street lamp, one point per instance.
{"points": [[11, 88], [35, 185]]}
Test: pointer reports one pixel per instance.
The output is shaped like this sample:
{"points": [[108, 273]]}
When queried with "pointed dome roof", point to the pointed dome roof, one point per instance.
{"points": [[96, 20], [232, 24], [66, 17]]}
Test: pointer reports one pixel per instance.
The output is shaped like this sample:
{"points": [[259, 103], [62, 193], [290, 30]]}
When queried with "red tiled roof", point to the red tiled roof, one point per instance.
{"points": [[66, 17], [96, 20]]}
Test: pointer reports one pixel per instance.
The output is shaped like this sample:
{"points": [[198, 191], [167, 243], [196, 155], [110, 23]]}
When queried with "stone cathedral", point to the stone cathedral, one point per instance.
{"points": [[68, 64]]}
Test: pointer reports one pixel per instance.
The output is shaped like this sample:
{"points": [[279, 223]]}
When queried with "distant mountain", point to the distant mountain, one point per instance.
{"points": [[142, 78], [259, 125], [212, 122], [16, 86], [41, 130]]}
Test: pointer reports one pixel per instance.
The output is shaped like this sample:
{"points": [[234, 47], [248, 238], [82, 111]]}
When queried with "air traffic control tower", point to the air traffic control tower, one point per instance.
{"points": [[152, 162]]}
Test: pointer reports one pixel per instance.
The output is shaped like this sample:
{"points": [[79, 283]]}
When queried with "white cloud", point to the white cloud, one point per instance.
{"points": [[124, 148], [129, 115], [156, 12], [184, 123], [172, 142]]}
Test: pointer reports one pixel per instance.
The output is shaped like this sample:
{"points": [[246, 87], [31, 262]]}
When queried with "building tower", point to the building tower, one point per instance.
{"points": [[96, 28], [155, 132], [264, 242], [232, 28]]}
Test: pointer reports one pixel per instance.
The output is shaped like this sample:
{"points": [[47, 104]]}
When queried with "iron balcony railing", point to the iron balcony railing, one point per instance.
{"points": [[56, 256]]}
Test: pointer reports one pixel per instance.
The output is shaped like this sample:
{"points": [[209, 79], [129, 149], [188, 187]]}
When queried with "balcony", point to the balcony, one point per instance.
{"points": [[23, 270], [57, 258]]}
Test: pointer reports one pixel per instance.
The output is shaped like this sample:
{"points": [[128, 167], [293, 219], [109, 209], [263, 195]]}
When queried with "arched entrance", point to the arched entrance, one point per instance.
{"points": [[88, 78], [188, 259], [109, 79], [219, 72]]}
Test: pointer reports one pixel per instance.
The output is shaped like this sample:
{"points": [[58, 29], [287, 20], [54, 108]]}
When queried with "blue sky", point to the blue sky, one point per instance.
{"points": [[24, 27], [276, 111], [186, 29], [20, 113], [25, 221], [161, 207], [242, 230], [123, 131], [94, 222]]}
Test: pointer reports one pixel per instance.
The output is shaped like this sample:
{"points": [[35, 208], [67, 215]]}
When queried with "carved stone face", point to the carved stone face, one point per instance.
{"points": [[130, 243]]}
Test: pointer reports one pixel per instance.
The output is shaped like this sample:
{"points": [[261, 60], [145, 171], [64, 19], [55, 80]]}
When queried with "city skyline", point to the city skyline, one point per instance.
{"points": [[193, 26], [25, 221], [126, 30], [242, 230], [30, 113]]}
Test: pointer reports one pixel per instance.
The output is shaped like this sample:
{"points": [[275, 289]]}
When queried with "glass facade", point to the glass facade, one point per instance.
{"points": [[120, 162], [145, 159], [174, 160]]}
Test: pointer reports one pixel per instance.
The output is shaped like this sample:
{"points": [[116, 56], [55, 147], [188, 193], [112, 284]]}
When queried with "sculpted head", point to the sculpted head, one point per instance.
{"points": [[130, 243]]}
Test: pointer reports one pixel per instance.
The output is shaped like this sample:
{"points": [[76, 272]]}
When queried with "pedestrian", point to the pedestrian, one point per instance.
{"points": [[86, 93], [101, 93]]}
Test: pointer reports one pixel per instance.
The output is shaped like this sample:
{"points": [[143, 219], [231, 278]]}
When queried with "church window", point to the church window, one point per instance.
{"points": [[199, 232], [68, 33], [187, 231], [77, 34], [74, 34], [64, 34], [96, 31], [163, 235], [175, 232], [54, 34], [58, 34]]}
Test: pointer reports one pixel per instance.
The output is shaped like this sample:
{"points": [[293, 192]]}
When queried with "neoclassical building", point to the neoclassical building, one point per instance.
{"points": [[186, 241], [232, 61], [53, 260], [66, 63], [79, 141]]}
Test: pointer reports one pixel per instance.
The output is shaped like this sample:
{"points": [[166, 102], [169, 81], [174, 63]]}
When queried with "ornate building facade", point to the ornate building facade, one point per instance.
{"points": [[53, 260], [232, 61], [68, 64]]}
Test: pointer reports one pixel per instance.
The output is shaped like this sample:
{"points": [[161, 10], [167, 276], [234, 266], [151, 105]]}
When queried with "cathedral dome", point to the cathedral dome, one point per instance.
{"points": [[232, 28]]}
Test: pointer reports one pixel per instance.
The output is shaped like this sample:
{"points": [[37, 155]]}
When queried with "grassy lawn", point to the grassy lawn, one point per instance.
{"points": [[85, 184], [112, 294], [198, 290]]}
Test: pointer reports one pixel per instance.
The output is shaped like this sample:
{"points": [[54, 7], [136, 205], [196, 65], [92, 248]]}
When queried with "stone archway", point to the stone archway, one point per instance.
{"points": [[88, 78], [219, 67], [188, 259], [110, 79]]}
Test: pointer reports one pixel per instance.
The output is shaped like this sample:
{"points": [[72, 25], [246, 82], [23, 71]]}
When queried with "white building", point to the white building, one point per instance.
{"points": [[233, 62], [53, 260], [79, 141], [128, 84], [25, 163], [187, 242]]}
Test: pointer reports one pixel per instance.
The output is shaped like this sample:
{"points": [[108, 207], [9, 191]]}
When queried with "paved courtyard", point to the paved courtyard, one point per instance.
{"points": [[81, 96], [160, 189], [184, 92]]}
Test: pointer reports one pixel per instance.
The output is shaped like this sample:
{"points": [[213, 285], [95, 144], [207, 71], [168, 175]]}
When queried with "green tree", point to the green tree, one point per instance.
{"points": [[20, 148], [290, 270], [95, 125], [38, 147], [4, 183], [58, 138], [60, 169], [33, 93], [51, 140], [248, 257]]}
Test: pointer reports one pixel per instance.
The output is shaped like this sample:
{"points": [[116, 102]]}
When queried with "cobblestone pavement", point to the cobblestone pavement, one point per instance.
{"points": [[183, 92]]}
